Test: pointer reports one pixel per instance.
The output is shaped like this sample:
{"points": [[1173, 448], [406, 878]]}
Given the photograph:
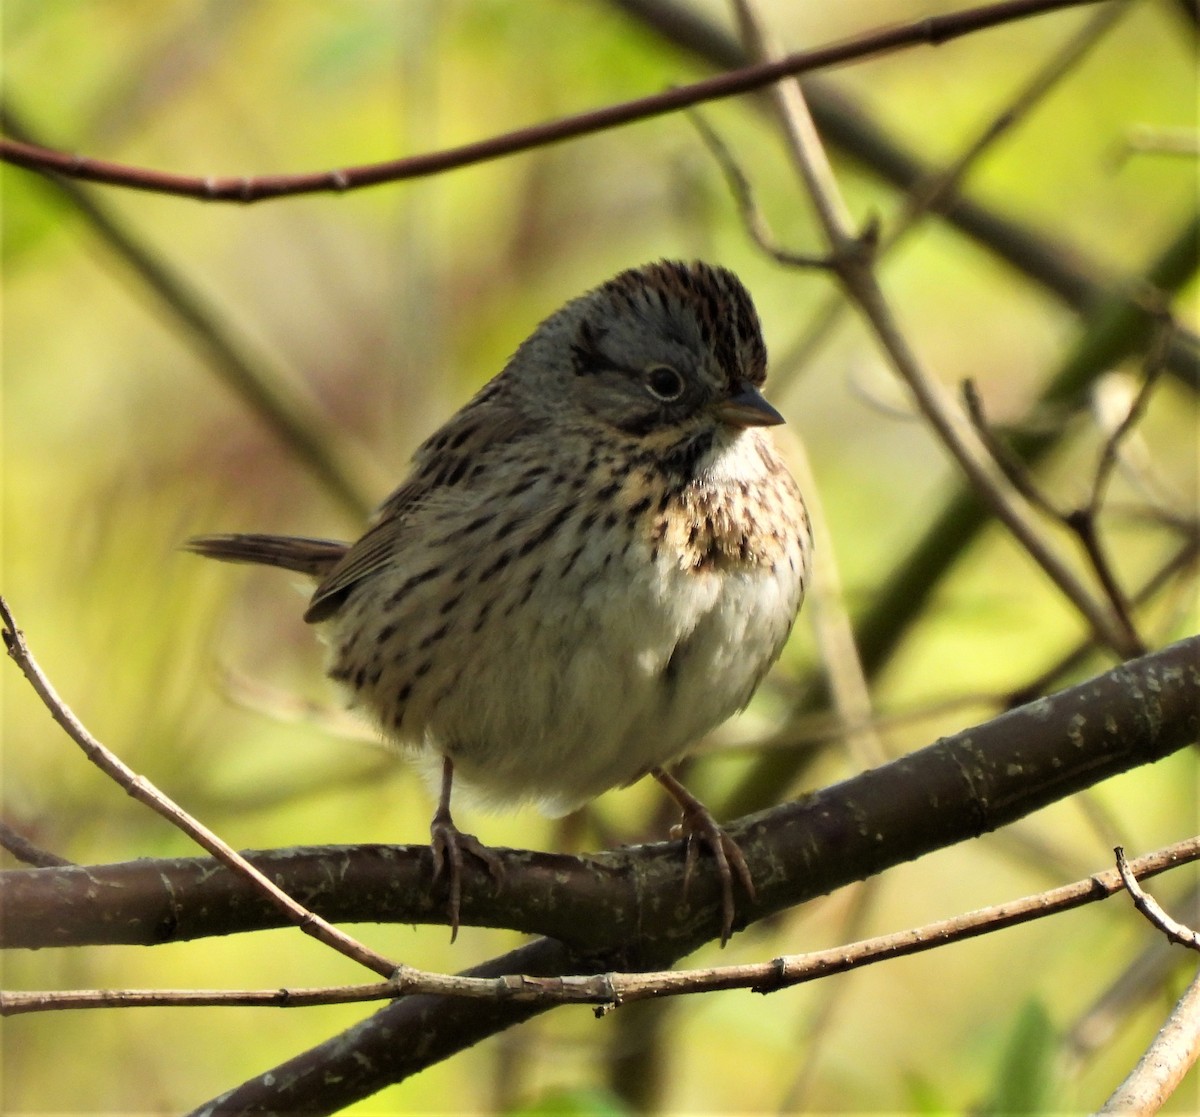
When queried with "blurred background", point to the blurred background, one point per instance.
{"points": [[377, 314]]}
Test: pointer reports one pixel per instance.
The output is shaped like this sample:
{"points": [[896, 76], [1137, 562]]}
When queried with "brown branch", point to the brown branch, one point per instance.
{"points": [[1162, 1067], [752, 217], [610, 906], [1137, 986], [615, 989], [1007, 462], [1174, 930], [931, 31], [974, 781], [24, 850], [145, 792], [943, 184], [1082, 522], [1062, 269], [1151, 370], [854, 266]]}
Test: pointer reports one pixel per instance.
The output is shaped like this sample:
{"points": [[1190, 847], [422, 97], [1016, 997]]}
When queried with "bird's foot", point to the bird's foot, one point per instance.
{"points": [[699, 828], [449, 844]]}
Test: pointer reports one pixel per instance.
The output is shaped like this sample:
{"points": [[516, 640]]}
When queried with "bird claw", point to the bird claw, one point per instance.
{"points": [[449, 844], [699, 828]]}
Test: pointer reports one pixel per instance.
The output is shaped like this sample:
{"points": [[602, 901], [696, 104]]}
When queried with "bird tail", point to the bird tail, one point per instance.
{"points": [[314, 557]]}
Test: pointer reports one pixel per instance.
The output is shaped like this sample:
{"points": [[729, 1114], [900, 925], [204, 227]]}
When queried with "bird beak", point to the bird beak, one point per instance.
{"points": [[746, 407]]}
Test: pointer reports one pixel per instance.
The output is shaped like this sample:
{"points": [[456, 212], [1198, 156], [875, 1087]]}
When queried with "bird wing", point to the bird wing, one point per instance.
{"points": [[451, 469]]}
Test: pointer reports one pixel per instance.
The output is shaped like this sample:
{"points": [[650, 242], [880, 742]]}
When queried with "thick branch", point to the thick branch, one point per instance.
{"points": [[963, 785], [958, 788], [610, 990]]}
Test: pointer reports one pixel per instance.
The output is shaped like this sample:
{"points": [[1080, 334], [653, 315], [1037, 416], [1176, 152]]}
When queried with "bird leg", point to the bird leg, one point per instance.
{"points": [[700, 828], [449, 843]]}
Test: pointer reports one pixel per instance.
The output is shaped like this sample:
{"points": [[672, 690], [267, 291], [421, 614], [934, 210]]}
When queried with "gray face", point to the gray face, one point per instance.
{"points": [[654, 348]]}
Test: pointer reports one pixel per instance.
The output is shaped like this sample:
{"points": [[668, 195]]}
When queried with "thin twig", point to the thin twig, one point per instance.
{"points": [[24, 850], [1061, 269], [1151, 371], [1150, 908], [610, 990], [854, 267], [1008, 463], [752, 216], [145, 792], [1137, 986], [930, 31], [1082, 522], [1162, 1067]]}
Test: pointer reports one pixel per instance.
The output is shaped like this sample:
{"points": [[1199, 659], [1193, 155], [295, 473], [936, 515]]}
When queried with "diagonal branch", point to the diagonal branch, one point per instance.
{"points": [[1175, 931], [1058, 267], [854, 266], [145, 792], [995, 773], [1166, 1061]]}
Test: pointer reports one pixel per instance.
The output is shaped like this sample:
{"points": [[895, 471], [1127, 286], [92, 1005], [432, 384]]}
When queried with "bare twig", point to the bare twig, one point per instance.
{"points": [[1152, 369], [1082, 522], [1150, 908], [144, 791], [1151, 701], [1137, 986], [1060, 268], [931, 31], [854, 267], [1161, 1069], [24, 850], [1008, 463], [752, 217]]}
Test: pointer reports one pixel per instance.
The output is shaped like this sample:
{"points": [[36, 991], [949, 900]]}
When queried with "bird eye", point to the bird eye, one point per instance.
{"points": [[664, 382]]}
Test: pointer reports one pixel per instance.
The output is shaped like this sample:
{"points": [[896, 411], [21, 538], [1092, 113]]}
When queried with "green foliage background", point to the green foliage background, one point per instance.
{"points": [[389, 307]]}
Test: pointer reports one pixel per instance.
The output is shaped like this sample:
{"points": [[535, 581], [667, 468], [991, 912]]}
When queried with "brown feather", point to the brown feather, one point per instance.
{"points": [[314, 557]]}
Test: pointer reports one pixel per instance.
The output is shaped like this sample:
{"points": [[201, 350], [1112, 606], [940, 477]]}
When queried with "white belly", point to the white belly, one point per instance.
{"points": [[600, 684]]}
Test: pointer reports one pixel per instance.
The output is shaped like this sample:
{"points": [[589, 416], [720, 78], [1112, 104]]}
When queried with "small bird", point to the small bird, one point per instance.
{"points": [[591, 565]]}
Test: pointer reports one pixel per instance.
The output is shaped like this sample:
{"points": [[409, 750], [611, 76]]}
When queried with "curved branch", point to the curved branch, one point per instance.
{"points": [[864, 820], [931, 31], [960, 787], [1041, 256]]}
